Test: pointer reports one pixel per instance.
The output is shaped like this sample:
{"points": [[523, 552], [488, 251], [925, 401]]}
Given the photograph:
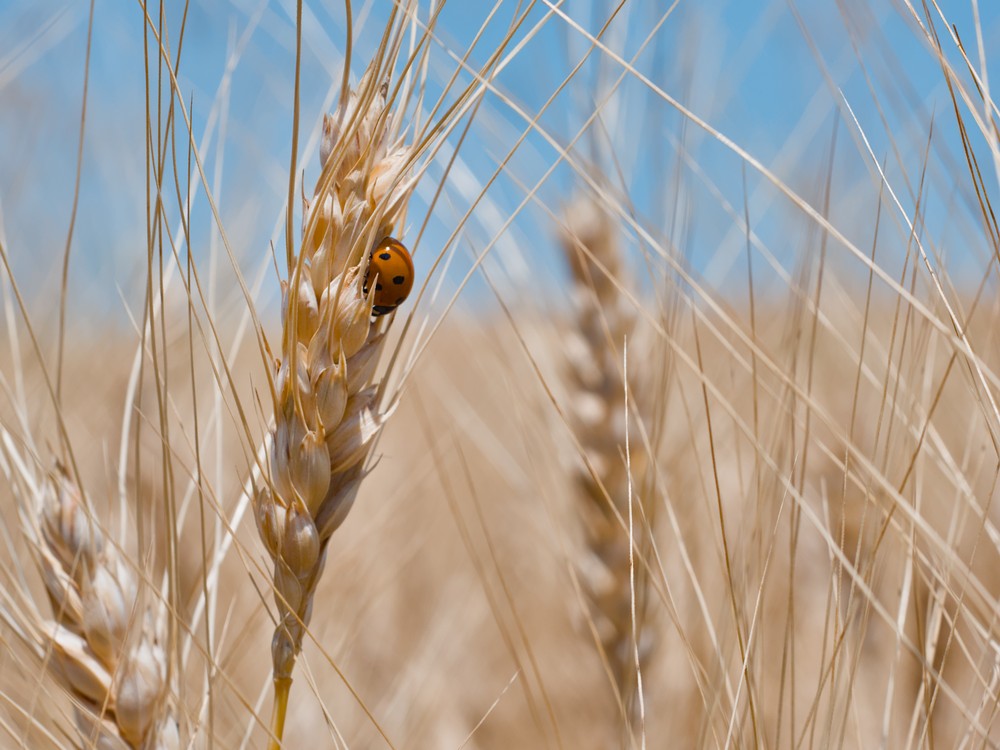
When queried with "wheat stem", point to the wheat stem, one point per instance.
{"points": [[282, 687]]}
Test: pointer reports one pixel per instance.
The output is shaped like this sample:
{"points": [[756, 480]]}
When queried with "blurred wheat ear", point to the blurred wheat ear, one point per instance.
{"points": [[617, 534]]}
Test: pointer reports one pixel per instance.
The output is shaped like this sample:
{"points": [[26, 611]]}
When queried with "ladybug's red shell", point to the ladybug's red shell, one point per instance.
{"points": [[391, 268]]}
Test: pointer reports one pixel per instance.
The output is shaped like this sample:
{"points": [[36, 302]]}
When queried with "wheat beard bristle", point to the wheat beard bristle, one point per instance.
{"points": [[326, 414], [115, 670]]}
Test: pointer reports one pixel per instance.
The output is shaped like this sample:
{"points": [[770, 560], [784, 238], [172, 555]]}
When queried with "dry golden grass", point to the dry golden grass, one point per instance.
{"points": [[450, 587]]}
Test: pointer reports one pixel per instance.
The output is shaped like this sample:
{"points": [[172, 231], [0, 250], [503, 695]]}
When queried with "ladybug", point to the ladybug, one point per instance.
{"points": [[392, 268]]}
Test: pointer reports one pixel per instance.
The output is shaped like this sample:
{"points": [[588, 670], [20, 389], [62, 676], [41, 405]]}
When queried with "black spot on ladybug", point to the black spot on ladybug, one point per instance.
{"points": [[378, 287], [398, 279], [385, 256]]}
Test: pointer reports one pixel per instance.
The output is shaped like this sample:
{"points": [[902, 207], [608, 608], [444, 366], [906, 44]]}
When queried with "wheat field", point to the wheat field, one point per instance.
{"points": [[686, 436]]}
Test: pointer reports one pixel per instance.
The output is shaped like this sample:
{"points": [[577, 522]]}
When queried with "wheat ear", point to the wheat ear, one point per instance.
{"points": [[614, 581], [101, 646], [327, 410]]}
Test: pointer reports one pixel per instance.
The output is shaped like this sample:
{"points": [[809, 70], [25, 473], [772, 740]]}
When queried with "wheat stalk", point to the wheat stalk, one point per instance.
{"points": [[614, 584], [327, 411], [101, 645]]}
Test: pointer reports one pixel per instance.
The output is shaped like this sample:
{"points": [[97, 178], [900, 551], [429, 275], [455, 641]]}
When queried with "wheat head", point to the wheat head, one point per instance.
{"points": [[611, 575], [101, 645], [327, 412]]}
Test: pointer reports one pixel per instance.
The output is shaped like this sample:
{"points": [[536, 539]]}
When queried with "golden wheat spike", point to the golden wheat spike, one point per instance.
{"points": [[326, 412], [104, 650], [614, 585]]}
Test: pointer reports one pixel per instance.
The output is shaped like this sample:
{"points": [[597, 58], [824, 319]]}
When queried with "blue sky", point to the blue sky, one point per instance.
{"points": [[748, 68]]}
